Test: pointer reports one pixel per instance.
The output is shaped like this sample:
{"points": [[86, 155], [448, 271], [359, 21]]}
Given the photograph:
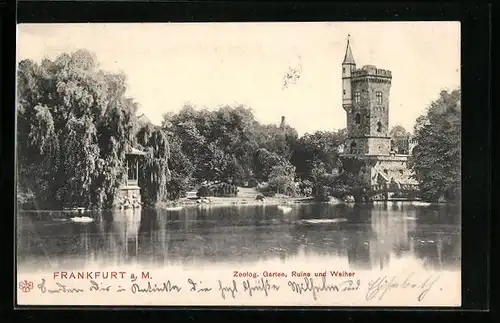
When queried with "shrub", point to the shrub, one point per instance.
{"points": [[260, 197], [218, 190], [204, 191], [282, 184], [305, 188], [252, 182], [267, 191]]}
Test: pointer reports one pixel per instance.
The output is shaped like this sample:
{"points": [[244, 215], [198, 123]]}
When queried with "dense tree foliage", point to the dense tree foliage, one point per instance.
{"points": [[154, 171], [319, 148], [399, 139], [229, 145], [75, 125], [436, 157], [216, 145]]}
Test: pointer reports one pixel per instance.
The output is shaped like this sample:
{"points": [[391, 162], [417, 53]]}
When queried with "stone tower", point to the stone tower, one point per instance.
{"points": [[365, 99]]}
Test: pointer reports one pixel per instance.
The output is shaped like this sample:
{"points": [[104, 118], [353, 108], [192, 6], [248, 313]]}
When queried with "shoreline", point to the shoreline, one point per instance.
{"points": [[240, 201], [232, 201]]}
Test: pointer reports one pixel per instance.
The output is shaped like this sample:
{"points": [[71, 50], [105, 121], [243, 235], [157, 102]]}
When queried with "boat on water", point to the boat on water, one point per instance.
{"points": [[174, 208], [284, 208], [320, 221], [81, 219], [420, 203], [78, 217]]}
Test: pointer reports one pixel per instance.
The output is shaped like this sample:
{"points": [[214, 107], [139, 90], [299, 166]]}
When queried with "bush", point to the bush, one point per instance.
{"points": [[218, 190], [321, 193], [305, 188], [397, 195], [176, 188], [203, 192], [26, 200], [282, 184], [267, 191], [252, 182]]}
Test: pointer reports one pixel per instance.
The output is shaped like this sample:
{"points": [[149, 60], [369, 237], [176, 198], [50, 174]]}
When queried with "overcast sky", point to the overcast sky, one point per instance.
{"points": [[168, 65]]}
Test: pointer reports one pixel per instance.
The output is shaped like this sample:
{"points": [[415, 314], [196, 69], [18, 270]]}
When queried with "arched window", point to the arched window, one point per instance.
{"points": [[353, 148], [357, 118], [379, 126]]}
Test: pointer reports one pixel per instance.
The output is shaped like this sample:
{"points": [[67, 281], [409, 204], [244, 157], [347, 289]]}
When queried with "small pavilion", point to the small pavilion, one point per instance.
{"points": [[132, 158], [130, 192]]}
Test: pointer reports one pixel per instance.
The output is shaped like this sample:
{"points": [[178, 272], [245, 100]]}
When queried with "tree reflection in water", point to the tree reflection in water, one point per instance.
{"points": [[370, 236]]}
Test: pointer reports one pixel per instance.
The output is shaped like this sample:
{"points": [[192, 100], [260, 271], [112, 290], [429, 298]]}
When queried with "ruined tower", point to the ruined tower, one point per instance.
{"points": [[365, 99]]}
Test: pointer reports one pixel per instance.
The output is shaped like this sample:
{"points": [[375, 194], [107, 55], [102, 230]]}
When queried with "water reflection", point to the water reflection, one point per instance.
{"points": [[359, 236]]}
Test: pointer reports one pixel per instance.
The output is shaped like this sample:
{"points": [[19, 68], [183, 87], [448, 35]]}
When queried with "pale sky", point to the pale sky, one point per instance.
{"points": [[212, 64]]}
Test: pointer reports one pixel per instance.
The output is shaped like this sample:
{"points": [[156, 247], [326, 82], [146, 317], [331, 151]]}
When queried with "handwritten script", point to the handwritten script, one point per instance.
{"points": [[308, 287], [379, 287]]}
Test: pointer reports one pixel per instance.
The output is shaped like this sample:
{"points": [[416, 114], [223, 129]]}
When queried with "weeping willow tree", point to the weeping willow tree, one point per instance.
{"points": [[154, 173], [74, 125]]}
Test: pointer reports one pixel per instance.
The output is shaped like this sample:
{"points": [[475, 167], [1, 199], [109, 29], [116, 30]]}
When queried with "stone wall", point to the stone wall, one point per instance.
{"points": [[379, 146], [370, 146], [373, 170], [396, 169], [132, 194]]}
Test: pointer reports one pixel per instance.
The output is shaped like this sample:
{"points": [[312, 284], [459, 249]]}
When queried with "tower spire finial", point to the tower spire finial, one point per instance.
{"points": [[348, 58]]}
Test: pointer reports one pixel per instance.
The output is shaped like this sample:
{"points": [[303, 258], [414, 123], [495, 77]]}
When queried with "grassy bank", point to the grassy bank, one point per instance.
{"points": [[246, 196]]}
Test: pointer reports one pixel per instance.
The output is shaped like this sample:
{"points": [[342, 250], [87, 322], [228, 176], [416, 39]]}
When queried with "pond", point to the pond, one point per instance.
{"points": [[361, 236]]}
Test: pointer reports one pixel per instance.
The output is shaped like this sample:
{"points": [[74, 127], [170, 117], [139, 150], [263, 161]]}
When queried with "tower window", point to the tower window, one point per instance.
{"points": [[379, 126], [357, 97], [357, 118], [343, 69], [379, 97], [344, 92]]}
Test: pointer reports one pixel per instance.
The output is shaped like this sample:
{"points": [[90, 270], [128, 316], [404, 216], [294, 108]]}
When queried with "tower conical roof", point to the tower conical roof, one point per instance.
{"points": [[348, 58]]}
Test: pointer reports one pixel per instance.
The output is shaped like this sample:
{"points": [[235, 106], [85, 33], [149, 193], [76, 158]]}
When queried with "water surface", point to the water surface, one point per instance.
{"points": [[365, 236]]}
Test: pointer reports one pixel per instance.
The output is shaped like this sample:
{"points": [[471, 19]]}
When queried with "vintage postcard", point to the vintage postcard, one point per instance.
{"points": [[239, 164]]}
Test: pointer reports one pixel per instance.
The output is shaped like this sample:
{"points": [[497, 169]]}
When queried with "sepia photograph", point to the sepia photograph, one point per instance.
{"points": [[239, 164]]}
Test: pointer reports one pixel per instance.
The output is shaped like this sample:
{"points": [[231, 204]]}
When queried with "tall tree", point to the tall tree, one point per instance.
{"points": [[155, 173], [74, 125], [399, 139], [320, 147], [436, 156], [181, 170]]}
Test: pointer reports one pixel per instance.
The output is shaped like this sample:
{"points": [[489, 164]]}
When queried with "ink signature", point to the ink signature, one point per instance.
{"points": [[380, 286]]}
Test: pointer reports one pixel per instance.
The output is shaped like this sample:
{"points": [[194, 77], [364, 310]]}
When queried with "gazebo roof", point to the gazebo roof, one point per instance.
{"points": [[135, 151]]}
